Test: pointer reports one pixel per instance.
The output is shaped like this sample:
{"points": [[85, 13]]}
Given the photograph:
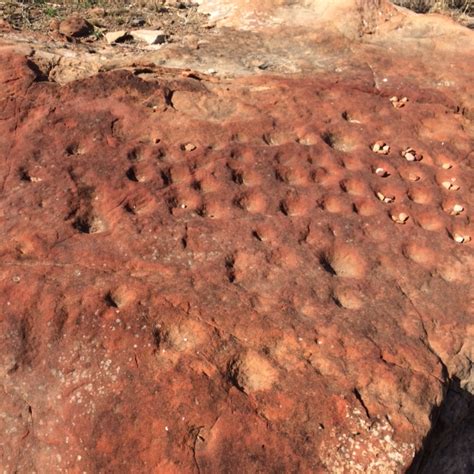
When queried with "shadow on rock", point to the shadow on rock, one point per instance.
{"points": [[448, 447]]}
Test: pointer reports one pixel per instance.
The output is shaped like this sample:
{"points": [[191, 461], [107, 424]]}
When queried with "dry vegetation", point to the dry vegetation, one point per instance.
{"points": [[420, 6], [37, 14], [172, 16], [459, 7]]}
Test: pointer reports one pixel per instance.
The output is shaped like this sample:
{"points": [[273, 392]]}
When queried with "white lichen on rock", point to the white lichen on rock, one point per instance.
{"points": [[368, 448]]}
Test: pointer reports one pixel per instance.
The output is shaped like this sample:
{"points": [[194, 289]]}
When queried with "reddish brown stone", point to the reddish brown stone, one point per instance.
{"points": [[200, 275], [75, 27], [4, 25]]}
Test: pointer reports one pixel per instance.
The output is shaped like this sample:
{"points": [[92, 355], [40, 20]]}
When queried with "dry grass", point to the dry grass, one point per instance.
{"points": [[100, 3], [457, 7], [174, 16], [27, 13], [420, 6]]}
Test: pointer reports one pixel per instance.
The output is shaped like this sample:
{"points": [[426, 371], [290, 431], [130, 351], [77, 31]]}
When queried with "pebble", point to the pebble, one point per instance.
{"points": [[461, 239], [381, 172], [381, 147], [386, 199], [149, 36], [450, 185], [114, 36], [398, 103], [189, 147], [410, 154], [400, 218]]}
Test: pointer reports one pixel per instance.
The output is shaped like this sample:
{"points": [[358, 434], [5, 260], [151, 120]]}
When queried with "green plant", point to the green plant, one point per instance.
{"points": [[98, 33], [50, 11]]}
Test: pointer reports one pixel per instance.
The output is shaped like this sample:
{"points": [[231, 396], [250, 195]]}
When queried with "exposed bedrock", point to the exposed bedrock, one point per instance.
{"points": [[264, 273]]}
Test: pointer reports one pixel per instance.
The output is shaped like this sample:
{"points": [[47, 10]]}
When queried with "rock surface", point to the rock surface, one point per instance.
{"points": [[75, 27], [149, 36], [114, 36], [200, 273]]}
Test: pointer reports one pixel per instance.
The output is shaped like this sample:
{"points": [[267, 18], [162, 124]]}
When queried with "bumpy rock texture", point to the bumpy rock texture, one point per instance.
{"points": [[222, 275]]}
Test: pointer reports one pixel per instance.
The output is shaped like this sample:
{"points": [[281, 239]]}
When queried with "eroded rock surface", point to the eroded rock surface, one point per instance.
{"points": [[202, 274]]}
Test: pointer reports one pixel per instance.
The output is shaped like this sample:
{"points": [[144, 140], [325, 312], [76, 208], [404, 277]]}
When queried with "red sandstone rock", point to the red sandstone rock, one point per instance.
{"points": [[75, 27], [200, 276]]}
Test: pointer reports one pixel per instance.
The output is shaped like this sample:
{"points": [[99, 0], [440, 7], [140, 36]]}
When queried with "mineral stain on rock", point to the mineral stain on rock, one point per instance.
{"points": [[216, 272]]}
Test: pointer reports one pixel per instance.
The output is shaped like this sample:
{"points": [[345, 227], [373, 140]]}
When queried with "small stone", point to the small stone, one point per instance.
{"points": [[381, 172], [461, 239], [400, 218], [410, 154], [381, 148], [137, 22], [457, 209], [386, 199], [149, 36], [398, 103], [188, 147], [450, 185], [446, 166], [75, 27], [115, 36]]}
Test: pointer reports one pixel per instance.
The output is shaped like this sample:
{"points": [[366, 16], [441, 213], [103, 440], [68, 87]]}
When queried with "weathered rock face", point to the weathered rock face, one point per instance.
{"points": [[348, 16], [204, 275]]}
